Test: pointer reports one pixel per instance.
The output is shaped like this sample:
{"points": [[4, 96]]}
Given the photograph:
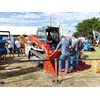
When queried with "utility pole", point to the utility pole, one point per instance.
{"points": [[60, 27], [49, 22]]}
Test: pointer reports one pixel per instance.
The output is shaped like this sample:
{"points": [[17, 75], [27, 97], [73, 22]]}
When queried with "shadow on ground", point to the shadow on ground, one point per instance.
{"points": [[22, 71]]}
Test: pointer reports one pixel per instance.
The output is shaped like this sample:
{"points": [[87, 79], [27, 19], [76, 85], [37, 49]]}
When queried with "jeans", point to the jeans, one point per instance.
{"points": [[72, 60], [19, 51], [62, 57]]}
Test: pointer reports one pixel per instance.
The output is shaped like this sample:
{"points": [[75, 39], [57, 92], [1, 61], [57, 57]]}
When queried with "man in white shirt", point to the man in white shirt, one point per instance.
{"points": [[10, 47], [18, 46]]}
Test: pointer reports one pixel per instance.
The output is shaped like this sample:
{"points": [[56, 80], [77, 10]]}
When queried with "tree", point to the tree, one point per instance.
{"points": [[86, 27]]}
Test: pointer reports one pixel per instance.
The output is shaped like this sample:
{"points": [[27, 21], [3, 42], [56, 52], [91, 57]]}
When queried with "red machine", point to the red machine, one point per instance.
{"points": [[41, 40]]}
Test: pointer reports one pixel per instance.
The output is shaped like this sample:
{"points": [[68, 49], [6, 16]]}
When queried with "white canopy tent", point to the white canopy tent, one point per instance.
{"points": [[18, 30], [24, 30], [5, 28]]}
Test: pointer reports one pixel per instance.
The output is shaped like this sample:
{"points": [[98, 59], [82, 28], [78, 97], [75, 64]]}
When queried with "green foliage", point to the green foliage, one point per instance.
{"points": [[86, 27]]}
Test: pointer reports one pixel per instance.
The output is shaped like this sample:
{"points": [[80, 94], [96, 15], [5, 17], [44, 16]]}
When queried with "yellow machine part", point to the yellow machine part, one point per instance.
{"points": [[22, 39], [95, 66]]}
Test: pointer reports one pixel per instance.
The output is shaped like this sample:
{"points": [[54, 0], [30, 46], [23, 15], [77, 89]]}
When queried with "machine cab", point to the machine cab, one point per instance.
{"points": [[42, 34]]}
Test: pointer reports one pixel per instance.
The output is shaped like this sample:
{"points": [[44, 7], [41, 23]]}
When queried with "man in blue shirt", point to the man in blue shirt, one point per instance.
{"points": [[65, 53]]}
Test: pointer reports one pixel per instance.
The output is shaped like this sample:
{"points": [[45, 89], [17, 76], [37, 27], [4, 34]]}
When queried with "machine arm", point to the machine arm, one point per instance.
{"points": [[42, 45], [94, 34]]}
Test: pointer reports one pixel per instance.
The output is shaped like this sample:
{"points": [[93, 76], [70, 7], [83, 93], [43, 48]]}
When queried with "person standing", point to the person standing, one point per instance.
{"points": [[10, 47], [65, 53], [18, 47], [76, 45]]}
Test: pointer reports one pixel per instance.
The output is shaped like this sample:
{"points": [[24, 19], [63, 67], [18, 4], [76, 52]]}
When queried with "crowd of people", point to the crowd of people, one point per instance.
{"points": [[70, 50], [13, 47]]}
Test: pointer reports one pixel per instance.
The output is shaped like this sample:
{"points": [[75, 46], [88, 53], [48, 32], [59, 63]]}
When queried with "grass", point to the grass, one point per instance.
{"points": [[93, 54], [27, 74]]}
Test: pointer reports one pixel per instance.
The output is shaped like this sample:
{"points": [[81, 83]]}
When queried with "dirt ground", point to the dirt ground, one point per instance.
{"points": [[28, 74]]}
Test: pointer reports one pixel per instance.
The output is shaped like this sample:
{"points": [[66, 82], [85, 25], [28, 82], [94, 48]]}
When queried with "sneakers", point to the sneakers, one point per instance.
{"points": [[70, 69], [66, 72]]}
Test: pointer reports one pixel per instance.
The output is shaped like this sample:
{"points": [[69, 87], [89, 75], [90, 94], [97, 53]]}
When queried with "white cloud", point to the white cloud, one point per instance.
{"points": [[68, 19], [74, 15], [26, 15]]}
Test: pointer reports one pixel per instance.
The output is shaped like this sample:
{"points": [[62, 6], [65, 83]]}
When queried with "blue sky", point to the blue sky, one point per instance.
{"points": [[68, 20]]}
